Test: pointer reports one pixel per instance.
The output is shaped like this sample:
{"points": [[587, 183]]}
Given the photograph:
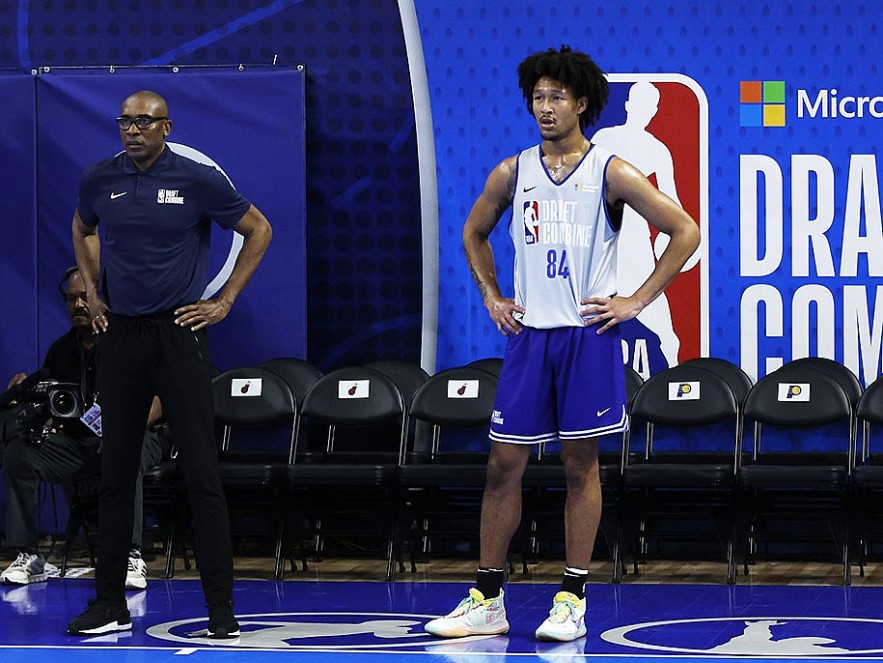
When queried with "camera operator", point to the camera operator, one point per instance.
{"points": [[40, 447]]}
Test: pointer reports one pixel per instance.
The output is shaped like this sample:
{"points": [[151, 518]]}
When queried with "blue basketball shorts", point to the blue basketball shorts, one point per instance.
{"points": [[566, 383]]}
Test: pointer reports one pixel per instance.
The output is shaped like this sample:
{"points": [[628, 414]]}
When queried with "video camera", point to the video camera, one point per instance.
{"points": [[41, 401]]}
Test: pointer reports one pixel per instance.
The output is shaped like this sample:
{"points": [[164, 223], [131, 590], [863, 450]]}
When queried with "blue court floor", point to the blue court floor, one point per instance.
{"points": [[353, 622]]}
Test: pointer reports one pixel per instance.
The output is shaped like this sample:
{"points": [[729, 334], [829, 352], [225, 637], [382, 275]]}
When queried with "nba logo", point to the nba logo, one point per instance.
{"points": [[659, 124], [531, 217]]}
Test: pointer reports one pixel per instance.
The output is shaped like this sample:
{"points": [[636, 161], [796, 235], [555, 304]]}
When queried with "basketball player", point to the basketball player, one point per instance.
{"points": [[562, 374]]}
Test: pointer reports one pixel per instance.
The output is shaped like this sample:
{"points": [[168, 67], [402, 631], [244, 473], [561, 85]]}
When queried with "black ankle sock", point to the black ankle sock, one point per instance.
{"points": [[574, 581], [490, 581]]}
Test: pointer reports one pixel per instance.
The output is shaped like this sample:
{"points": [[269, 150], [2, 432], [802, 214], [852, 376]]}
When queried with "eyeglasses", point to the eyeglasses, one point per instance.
{"points": [[142, 121]]}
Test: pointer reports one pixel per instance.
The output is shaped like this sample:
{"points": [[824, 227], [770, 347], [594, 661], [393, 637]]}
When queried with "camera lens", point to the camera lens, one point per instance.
{"points": [[64, 403]]}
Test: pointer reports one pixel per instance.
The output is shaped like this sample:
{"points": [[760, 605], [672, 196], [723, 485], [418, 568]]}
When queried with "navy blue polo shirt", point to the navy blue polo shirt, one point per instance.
{"points": [[156, 228]]}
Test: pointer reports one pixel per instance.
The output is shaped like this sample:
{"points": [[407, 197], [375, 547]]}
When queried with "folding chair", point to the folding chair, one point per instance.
{"points": [[867, 476], [256, 414], [442, 485], [299, 375], [686, 474], [795, 474], [346, 491]]}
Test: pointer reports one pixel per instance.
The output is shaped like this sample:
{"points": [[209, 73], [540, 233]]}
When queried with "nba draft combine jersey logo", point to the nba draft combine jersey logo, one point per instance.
{"points": [[754, 636], [309, 630], [659, 124], [531, 217]]}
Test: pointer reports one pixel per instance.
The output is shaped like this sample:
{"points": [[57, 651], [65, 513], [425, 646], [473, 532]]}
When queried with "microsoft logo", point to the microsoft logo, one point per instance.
{"points": [[762, 103]]}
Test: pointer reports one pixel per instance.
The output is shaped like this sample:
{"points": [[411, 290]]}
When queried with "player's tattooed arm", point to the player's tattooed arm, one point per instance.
{"points": [[490, 206]]}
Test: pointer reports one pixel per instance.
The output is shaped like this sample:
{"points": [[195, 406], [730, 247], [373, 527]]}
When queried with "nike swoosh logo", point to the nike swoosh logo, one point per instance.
{"points": [[114, 196], [529, 188], [601, 413]]}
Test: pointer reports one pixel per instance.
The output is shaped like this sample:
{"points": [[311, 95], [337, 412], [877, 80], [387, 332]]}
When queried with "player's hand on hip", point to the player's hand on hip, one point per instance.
{"points": [[608, 311], [201, 314], [98, 310], [16, 379], [503, 312]]}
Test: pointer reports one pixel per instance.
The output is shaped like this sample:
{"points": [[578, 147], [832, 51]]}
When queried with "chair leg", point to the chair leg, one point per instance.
{"points": [[170, 553], [279, 568], [391, 547], [846, 549], [618, 563], [731, 563], [74, 523], [731, 544]]}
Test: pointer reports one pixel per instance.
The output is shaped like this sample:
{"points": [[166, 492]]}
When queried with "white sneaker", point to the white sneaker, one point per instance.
{"points": [[566, 620], [26, 568], [136, 574], [475, 615]]}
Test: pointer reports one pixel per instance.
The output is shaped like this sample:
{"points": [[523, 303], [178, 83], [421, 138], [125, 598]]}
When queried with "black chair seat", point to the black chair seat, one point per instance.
{"points": [[809, 477], [341, 485], [868, 477], [252, 474], [319, 474], [469, 475], [679, 475]]}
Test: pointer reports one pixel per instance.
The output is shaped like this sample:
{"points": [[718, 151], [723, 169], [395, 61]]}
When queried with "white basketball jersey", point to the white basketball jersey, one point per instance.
{"points": [[565, 243]]}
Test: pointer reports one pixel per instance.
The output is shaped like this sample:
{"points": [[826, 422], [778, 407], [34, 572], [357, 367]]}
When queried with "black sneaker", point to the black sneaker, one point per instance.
{"points": [[102, 616], [221, 622]]}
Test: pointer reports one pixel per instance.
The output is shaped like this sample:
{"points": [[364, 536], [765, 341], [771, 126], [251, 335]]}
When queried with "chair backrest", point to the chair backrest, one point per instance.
{"points": [[460, 397], [684, 395], [358, 398], [799, 399], [298, 374], [869, 411], [633, 382], [834, 369], [740, 382], [870, 405], [694, 402], [252, 397], [407, 375], [490, 364]]}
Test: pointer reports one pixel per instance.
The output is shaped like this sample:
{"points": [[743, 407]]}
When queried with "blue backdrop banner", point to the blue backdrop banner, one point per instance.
{"points": [[18, 264]]}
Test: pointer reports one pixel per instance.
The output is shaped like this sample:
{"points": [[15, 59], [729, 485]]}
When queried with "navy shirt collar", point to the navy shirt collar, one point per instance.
{"points": [[162, 162]]}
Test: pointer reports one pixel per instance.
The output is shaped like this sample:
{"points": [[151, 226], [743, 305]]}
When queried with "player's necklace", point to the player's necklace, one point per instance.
{"points": [[556, 172]]}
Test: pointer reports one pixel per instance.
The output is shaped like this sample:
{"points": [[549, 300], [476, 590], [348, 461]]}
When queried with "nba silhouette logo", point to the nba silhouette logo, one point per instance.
{"points": [[659, 124], [531, 216]]}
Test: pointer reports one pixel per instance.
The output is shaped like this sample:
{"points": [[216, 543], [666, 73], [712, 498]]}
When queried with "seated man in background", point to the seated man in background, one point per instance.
{"points": [[39, 447]]}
